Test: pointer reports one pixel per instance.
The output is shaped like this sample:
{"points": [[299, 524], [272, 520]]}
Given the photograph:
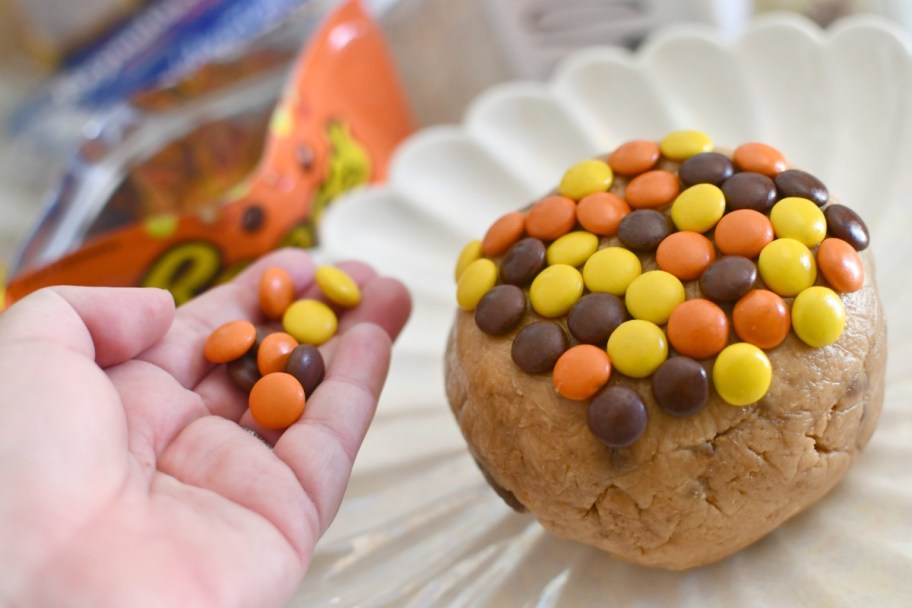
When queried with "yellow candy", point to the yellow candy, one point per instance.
{"points": [[555, 290], [698, 208], [800, 219], [653, 295], [818, 316], [637, 348], [787, 267], [586, 177], [469, 253], [742, 374], [611, 270], [572, 249], [475, 281], [338, 286], [310, 321], [681, 145]]}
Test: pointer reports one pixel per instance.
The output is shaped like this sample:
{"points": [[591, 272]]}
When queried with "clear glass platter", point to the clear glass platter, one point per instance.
{"points": [[419, 526]]}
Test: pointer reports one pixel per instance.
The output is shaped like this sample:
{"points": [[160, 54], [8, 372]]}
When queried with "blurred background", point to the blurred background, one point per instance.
{"points": [[75, 84]]}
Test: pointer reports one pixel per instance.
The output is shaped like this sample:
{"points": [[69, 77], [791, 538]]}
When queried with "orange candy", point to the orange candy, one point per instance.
{"points": [[652, 189], [760, 158], [634, 157], [503, 233], [551, 217], [841, 265], [581, 371], [601, 213], [276, 292], [229, 341], [276, 401], [274, 351], [685, 255], [761, 318], [743, 232], [698, 328]]}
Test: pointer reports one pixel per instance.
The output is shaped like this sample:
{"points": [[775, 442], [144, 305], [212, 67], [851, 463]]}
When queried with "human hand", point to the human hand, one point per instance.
{"points": [[128, 476]]}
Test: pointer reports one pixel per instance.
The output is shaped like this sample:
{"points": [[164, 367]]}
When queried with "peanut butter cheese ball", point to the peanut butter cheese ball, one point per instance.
{"points": [[673, 353]]}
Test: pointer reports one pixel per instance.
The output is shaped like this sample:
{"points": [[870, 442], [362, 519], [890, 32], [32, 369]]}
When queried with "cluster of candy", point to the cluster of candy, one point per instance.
{"points": [[280, 369], [749, 231]]}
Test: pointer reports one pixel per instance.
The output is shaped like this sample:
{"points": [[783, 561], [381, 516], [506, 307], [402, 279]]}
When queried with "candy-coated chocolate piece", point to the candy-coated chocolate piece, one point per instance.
{"points": [[728, 278], [799, 219], [537, 346], [681, 145], [633, 157], [840, 265], [652, 189], [749, 190], [243, 372], [787, 267], [761, 158], [698, 328], [617, 416], [794, 182], [681, 386], [743, 232], [469, 253], [274, 352], [643, 229], [601, 213], [500, 310], [818, 316], [653, 295], [503, 233], [229, 341], [845, 224], [306, 364], [698, 208], [610, 270], [581, 371], [595, 316], [522, 262], [551, 217], [276, 292], [742, 374], [338, 286], [685, 254], [762, 318], [572, 249], [586, 177], [637, 348], [707, 168], [555, 290], [277, 401], [310, 321], [476, 280]]}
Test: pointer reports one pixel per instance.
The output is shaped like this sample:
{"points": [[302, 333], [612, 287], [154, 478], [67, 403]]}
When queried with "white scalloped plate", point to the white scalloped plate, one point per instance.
{"points": [[419, 526]]}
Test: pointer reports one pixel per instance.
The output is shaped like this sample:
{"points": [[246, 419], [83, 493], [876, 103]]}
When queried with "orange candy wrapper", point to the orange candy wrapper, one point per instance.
{"points": [[341, 116]]}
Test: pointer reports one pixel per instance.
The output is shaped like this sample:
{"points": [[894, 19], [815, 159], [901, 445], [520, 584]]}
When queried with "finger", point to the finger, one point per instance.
{"points": [[321, 447]]}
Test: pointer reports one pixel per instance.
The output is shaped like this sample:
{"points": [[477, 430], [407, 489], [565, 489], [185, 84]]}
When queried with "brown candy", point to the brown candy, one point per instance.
{"points": [[795, 182], [306, 364], [845, 224], [595, 316], [681, 386], [244, 372], [538, 346], [617, 416], [522, 262], [707, 168], [500, 309], [748, 190], [728, 278], [643, 229]]}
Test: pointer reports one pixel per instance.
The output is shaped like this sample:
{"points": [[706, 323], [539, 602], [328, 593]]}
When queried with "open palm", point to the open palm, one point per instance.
{"points": [[127, 477]]}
